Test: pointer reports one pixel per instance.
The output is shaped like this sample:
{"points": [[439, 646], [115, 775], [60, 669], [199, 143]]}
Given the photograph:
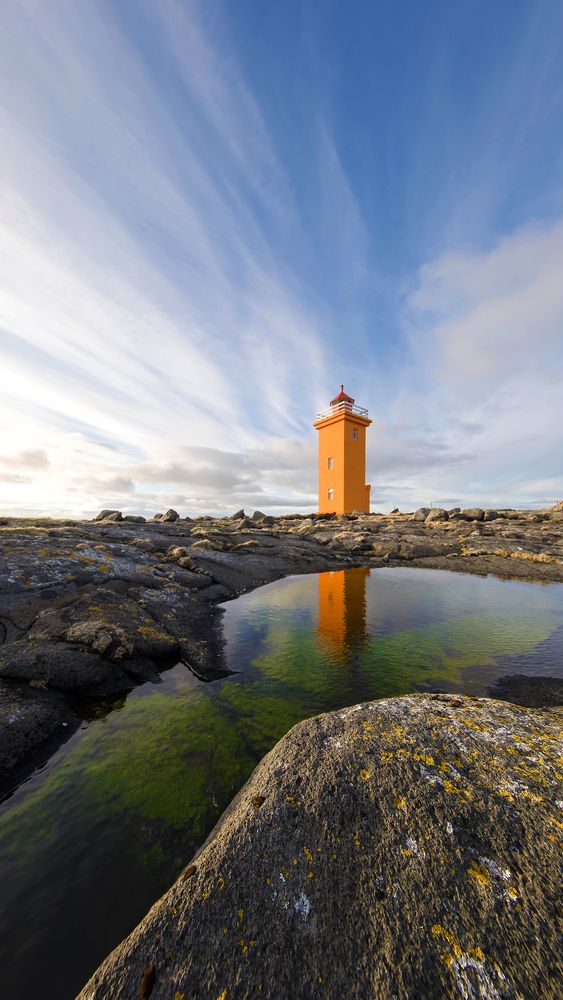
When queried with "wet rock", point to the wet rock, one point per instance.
{"points": [[421, 514], [157, 517], [170, 515], [105, 514], [258, 515], [400, 848], [238, 514], [533, 692], [60, 665], [30, 720], [437, 514], [135, 519], [115, 515]]}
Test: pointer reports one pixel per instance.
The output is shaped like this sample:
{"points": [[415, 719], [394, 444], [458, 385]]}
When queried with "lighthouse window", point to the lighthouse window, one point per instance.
{"points": [[331, 494], [331, 463], [355, 433]]}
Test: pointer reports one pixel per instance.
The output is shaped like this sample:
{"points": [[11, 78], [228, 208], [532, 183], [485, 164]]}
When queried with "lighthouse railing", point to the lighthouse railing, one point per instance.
{"points": [[333, 411]]}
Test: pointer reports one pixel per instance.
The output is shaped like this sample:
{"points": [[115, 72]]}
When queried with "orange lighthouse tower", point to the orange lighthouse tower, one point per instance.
{"points": [[342, 456]]}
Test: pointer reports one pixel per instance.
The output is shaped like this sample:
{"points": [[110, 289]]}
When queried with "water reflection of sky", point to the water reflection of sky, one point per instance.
{"points": [[89, 843]]}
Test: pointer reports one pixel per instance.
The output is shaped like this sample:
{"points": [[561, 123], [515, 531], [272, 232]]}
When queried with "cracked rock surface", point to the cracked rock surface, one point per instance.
{"points": [[401, 848]]}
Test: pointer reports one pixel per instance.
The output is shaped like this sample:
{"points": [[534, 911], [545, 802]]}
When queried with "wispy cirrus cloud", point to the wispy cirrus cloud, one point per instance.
{"points": [[186, 273], [141, 291]]}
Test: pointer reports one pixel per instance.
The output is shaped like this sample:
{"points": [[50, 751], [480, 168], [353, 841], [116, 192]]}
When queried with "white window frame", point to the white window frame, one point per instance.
{"points": [[331, 463], [331, 494]]}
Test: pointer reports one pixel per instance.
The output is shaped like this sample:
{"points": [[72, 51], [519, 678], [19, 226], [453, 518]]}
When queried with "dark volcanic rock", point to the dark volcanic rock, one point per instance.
{"points": [[30, 719], [62, 666], [404, 848], [170, 515], [533, 692]]}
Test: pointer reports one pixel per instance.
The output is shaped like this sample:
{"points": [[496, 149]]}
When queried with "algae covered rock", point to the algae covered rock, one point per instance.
{"points": [[402, 848]]}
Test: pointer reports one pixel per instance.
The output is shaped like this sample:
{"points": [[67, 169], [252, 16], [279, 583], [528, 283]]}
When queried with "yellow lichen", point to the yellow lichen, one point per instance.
{"points": [[438, 931], [365, 775], [479, 874], [400, 803], [308, 855]]}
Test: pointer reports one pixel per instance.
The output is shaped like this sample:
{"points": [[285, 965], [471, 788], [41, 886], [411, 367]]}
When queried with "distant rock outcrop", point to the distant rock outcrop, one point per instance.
{"points": [[437, 514]]}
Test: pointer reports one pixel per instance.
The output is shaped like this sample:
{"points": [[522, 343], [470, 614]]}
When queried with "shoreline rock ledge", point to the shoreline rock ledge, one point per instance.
{"points": [[402, 848]]}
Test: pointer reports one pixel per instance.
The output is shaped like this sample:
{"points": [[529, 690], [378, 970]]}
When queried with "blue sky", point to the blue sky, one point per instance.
{"points": [[213, 214]]}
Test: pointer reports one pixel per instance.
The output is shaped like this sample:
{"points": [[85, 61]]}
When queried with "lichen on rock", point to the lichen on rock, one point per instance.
{"points": [[403, 848]]}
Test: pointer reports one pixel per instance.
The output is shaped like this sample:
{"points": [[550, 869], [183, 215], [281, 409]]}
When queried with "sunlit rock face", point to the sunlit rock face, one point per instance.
{"points": [[404, 847]]}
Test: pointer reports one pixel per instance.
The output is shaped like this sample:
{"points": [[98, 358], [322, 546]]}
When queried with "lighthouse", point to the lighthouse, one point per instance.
{"points": [[342, 456]]}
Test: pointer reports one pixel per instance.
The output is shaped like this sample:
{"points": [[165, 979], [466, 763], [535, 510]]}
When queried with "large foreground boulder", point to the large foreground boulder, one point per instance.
{"points": [[404, 848]]}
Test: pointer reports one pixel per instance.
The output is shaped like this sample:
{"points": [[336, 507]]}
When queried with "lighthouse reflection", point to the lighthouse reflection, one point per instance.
{"points": [[342, 612]]}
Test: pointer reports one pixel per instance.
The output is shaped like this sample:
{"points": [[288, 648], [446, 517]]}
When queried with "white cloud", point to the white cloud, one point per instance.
{"points": [[139, 294], [480, 410]]}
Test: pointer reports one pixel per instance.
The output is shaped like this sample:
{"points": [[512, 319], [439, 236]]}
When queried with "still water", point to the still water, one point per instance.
{"points": [[89, 842]]}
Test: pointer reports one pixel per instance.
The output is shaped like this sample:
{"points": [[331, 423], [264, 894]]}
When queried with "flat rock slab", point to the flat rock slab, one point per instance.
{"points": [[403, 848]]}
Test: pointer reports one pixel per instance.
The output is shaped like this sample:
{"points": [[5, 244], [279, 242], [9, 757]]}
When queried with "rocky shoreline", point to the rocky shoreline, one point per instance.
{"points": [[92, 608], [401, 848]]}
